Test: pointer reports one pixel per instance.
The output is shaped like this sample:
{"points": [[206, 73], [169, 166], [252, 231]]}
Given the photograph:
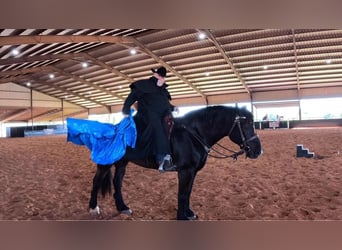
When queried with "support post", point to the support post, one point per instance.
{"points": [[62, 106], [31, 106]]}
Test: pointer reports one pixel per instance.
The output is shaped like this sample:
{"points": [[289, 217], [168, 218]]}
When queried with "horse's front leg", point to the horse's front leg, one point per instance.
{"points": [[120, 170], [186, 179], [101, 172]]}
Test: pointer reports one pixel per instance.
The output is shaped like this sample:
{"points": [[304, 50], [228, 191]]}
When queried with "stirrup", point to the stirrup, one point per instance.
{"points": [[167, 165]]}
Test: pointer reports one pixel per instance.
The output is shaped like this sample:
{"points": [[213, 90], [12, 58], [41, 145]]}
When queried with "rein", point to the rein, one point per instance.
{"points": [[244, 146]]}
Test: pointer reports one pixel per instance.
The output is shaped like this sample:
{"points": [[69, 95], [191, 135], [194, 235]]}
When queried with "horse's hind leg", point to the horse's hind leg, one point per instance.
{"points": [[102, 172], [120, 170]]}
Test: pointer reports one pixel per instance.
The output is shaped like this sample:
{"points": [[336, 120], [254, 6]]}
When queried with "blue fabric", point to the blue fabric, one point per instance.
{"points": [[107, 142]]}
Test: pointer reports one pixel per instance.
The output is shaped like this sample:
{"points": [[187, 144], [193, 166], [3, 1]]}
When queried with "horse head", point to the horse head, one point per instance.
{"points": [[243, 134]]}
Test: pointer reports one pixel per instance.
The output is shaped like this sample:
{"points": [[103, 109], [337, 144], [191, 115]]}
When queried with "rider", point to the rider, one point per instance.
{"points": [[153, 100]]}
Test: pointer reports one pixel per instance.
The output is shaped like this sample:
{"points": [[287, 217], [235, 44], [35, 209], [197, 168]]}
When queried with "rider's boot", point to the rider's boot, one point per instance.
{"points": [[166, 164]]}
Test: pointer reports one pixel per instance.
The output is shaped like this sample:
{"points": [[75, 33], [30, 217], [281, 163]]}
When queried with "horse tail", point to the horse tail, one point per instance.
{"points": [[105, 183]]}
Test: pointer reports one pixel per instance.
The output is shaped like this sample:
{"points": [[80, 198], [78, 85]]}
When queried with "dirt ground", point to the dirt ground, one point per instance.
{"points": [[47, 178]]}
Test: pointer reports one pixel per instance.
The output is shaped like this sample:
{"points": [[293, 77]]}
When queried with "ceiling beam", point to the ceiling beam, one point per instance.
{"points": [[30, 59], [24, 71], [228, 60], [36, 81], [90, 84], [11, 79], [44, 114], [106, 66], [71, 56], [62, 72], [147, 51], [16, 114], [78, 112], [48, 39]]}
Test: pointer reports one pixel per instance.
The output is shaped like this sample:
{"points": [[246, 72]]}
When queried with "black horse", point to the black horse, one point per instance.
{"points": [[191, 139]]}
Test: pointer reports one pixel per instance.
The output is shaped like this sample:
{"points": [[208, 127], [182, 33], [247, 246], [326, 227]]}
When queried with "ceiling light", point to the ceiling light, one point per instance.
{"points": [[84, 64], [28, 84], [202, 36], [52, 76], [133, 51], [265, 67], [15, 52], [328, 61], [207, 74]]}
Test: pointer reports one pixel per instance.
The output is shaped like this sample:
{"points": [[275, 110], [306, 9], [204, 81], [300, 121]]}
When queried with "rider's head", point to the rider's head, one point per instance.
{"points": [[160, 74]]}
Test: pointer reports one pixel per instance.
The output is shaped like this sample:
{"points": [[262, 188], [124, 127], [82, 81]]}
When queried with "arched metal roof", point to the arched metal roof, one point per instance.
{"points": [[224, 66]]}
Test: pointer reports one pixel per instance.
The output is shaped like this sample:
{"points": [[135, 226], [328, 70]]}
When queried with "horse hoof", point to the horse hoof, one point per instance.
{"points": [[95, 211], [194, 217], [126, 212]]}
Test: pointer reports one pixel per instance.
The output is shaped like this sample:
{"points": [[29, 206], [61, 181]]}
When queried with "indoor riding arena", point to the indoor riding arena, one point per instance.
{"points": [[284, 77]]}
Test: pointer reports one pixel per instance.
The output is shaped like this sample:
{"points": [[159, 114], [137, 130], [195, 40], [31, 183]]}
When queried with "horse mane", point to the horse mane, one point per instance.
{"points": [[212, 118], [208, 114]]}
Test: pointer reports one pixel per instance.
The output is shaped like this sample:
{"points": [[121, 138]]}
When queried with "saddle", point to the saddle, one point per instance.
{"points": [[169, 122]]}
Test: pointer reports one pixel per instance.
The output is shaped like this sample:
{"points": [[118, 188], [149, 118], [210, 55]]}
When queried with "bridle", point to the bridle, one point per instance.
{"points": [[243, 147]]}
